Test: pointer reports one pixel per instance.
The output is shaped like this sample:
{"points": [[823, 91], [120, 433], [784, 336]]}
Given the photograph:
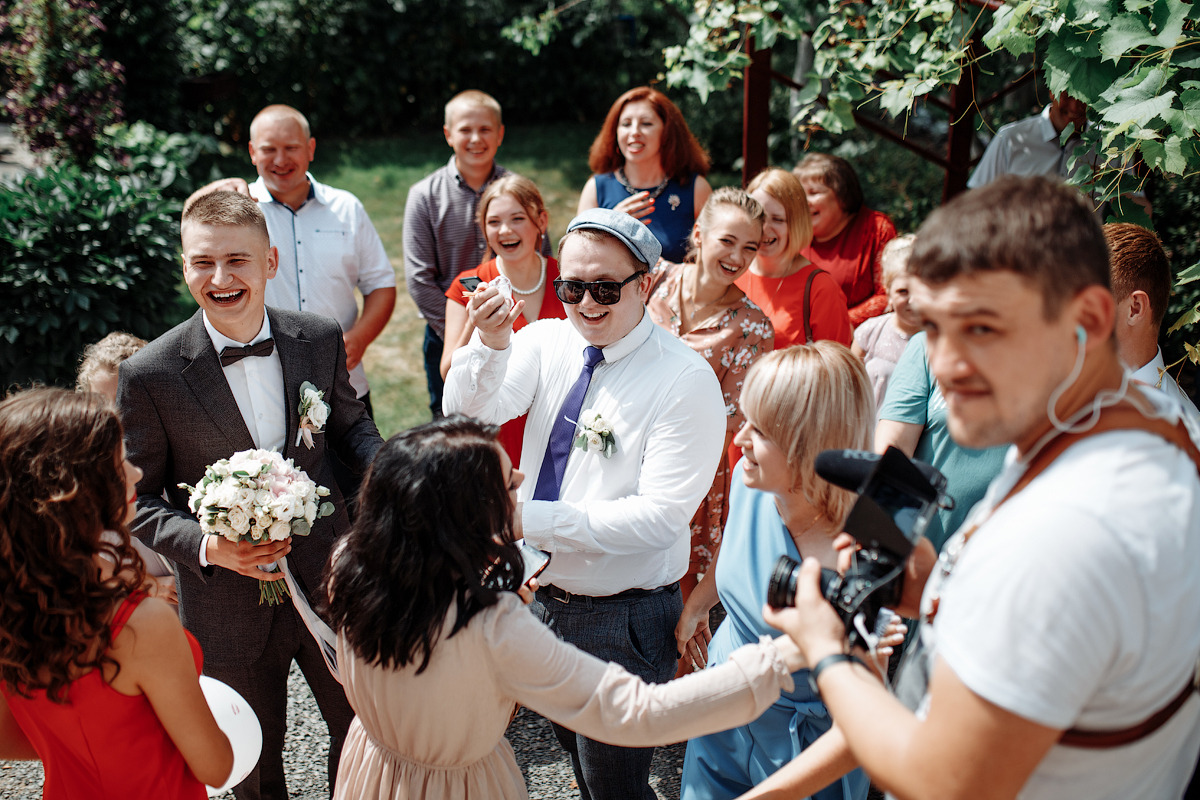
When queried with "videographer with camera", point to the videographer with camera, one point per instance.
{"points": [[1059, 628]]}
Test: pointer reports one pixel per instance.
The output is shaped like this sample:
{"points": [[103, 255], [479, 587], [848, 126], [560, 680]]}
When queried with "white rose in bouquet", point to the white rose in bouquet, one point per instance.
{"points": [[239, 520], [595, 442], [284, 507], [280, 530]]}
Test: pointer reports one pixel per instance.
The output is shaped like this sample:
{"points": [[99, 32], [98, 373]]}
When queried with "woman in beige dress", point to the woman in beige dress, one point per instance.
{"points": [[698, 302], [435, 664]]}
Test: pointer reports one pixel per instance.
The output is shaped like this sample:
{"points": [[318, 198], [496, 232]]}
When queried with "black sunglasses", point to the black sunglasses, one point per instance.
{"points": [[606, 293]]}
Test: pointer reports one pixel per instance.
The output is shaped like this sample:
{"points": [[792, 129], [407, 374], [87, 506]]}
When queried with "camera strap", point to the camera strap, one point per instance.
{"points": [[1123, 416]]}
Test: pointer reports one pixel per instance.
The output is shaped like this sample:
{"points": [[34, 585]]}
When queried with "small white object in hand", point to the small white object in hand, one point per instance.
{"points": [[504, 286]]}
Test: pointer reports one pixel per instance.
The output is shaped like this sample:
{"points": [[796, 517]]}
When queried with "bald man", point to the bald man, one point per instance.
{"points": [[327, 244]]}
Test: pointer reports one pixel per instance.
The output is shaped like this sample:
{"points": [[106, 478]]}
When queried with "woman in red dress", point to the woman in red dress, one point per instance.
{"points": [[848, 237], [97, 680], [514, 220]]}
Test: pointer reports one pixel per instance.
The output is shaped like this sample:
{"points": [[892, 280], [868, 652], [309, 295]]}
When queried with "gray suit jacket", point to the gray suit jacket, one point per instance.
{"points": [[180, 416]]}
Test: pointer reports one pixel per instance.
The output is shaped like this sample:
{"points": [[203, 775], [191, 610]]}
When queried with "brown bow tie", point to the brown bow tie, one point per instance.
{"points": [[232, 355]]}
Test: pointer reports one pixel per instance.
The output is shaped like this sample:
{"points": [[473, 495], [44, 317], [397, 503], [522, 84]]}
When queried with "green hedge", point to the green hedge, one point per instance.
{"points": [[82, 254]]}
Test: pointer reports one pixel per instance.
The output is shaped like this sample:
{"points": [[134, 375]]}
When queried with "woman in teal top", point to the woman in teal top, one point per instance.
{"points": [[797, 402]]}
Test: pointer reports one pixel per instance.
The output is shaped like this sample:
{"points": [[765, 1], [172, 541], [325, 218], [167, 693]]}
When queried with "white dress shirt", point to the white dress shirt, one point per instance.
{"points": [[327, 249], [257, 386], [621, 522], [1026, 147], [1155, 374]]}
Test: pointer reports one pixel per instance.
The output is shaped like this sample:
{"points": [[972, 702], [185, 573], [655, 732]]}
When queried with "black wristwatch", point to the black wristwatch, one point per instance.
{"points": [[826, 663]]}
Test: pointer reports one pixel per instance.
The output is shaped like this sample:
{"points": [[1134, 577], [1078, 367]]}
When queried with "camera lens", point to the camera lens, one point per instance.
{"points": [[781, 590]]}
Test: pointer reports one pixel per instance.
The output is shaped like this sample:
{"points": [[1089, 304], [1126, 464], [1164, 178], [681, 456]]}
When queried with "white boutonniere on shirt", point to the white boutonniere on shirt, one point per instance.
{"points": [[595, 434], [314, 413]]}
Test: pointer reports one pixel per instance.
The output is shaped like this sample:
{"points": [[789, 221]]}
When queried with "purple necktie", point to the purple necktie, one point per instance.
{"points": [[558, 448]]}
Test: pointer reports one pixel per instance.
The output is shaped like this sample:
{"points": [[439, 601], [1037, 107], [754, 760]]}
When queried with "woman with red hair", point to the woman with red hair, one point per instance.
{"points": [[648, 164]]}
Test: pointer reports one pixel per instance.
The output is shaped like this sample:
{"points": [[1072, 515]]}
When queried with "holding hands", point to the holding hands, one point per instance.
{"points": [[245, 558]]}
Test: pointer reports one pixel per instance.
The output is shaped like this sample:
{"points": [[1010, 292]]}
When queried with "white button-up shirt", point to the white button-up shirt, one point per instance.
{"points": [[257, 386], [1155, 374], [327, 249], [1027, 147], [621, 522]]}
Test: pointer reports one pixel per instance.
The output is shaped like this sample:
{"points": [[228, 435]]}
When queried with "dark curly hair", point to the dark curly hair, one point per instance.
{"points": [[681, 154], [61, 488], [434, 518]]}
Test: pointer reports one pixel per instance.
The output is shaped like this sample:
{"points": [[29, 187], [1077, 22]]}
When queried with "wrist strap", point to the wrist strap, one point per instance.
{"points": [[827, 662]]}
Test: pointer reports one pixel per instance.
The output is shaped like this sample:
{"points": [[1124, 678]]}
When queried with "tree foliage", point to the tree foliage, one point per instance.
{"points": [[61, 93], [1134, 62]]}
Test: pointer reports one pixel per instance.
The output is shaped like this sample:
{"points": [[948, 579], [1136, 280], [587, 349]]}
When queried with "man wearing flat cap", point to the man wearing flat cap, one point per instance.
{"points": [[625, 430]]}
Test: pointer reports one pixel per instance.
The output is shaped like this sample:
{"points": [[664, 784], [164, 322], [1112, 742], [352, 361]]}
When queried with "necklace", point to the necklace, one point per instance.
{"points": [[655, 192], [541, 281]]}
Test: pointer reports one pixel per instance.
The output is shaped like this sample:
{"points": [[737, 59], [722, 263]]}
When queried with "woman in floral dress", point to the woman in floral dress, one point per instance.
{"points": [[698, 302]]}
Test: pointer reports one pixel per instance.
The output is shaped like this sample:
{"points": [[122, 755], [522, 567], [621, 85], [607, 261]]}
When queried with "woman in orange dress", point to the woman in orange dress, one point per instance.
{"points": [[97, 680], [699, 302], [804, 302], [514, 220]]}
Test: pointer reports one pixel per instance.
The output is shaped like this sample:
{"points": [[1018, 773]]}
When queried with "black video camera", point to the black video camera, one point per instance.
{"points": [[897, 497]]}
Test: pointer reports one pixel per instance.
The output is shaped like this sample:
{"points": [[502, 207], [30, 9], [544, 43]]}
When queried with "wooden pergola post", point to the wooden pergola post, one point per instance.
{"points": [[756, 112]]}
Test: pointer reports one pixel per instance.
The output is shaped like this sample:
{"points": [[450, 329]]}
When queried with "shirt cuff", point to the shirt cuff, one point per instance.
{"points": [[203, 550]]}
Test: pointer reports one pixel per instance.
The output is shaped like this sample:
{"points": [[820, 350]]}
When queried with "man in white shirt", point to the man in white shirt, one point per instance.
{"points": [[1141, 284], [1031, 146], [326, 243], [1058, 637], [229, 380], [616, 522]]}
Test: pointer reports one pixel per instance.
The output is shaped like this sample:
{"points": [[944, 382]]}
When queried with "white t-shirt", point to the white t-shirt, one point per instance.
{"points": [[1077, 604]]}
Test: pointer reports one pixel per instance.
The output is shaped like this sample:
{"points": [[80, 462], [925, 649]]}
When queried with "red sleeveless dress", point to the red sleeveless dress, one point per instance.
{"points": [[104, 745]]}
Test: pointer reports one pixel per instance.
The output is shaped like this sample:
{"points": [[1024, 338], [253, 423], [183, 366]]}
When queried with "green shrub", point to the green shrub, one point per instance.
{"points": [[81, 254]]}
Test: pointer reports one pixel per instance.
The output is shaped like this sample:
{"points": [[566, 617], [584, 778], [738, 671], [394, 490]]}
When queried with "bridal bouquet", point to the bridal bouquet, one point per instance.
{"points": [[255, 496]]}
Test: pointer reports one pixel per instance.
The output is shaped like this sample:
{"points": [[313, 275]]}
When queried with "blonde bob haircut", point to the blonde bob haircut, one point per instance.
{"points": [[808, 398], [789, 193]]}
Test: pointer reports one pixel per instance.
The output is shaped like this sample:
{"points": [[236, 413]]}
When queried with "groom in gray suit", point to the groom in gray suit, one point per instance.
{"points": [[226, 380]]}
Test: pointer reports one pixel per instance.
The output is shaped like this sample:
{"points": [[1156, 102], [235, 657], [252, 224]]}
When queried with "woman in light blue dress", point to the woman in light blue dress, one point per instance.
{"points": [[797, 402]]}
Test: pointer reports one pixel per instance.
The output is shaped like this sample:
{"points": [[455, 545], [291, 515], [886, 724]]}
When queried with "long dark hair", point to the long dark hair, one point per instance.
{"points": [[434, 516], [61, 487]]}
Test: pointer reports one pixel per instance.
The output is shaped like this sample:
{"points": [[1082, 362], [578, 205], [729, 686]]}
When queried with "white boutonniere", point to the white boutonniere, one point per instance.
{"points": [[314, 413], [595, 434]]}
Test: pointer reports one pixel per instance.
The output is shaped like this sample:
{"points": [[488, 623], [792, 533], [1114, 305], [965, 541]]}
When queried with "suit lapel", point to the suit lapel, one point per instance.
{"points": [[295, 355], [206, 380]]}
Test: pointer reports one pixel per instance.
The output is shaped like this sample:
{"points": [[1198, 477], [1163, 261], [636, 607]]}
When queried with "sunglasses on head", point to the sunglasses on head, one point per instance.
{"points": [[606, 293]]}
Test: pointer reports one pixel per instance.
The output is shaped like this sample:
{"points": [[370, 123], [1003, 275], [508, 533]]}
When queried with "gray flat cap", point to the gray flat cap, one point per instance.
{"points": [[633, 233]]}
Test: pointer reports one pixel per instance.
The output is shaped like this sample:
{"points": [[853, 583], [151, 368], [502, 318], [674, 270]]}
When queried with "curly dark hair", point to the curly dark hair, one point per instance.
{"points": [[682, 155], [61, 488], [434, 517]]}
